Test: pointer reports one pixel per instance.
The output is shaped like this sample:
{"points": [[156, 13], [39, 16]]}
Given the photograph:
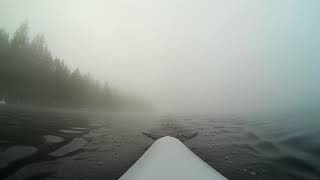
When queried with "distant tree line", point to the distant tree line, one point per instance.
{"points": [[29, 74]]}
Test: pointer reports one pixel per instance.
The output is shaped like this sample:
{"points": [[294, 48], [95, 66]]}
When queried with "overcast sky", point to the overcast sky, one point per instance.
{"points": [[187, 55]]}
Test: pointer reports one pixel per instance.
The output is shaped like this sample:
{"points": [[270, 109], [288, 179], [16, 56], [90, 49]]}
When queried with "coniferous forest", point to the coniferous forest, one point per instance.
{"points": [[29, 74]]}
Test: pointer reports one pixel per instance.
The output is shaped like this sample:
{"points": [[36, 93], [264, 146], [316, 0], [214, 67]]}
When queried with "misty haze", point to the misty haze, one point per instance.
{"points": [[138, 89]]}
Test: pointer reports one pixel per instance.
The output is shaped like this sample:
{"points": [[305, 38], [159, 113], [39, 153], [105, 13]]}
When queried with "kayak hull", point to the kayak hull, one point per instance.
{"points": [[168, 158]]}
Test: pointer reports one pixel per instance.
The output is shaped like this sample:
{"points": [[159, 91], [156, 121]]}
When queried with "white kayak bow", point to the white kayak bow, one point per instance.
{"points": [[169, 159]]}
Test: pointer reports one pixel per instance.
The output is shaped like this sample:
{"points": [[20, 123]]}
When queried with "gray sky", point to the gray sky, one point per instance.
{"points": [[187, 55]]}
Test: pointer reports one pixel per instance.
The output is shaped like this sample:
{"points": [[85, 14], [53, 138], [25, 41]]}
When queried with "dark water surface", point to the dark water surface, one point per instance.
{"points": [[58, 144]]}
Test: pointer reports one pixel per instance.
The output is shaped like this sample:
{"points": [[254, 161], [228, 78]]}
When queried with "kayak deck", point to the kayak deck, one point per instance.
{"points": [[168, 158]]}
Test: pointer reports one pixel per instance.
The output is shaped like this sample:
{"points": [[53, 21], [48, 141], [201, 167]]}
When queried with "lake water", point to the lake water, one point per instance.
{"points": [[63, 144]]}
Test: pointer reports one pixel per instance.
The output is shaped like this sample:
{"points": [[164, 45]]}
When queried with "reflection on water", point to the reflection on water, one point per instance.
{"points": [[15, 153], [55, 144], [74, 145], [52, 139]]}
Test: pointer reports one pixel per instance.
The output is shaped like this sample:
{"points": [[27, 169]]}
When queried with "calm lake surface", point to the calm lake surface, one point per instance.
{"points": [[61, 144]]}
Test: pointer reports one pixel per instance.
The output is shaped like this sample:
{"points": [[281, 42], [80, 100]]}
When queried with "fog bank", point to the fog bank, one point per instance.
{"points": [[187, 56]]}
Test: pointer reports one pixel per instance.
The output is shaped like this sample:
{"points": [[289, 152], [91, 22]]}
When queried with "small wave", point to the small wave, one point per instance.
{"points": [[268, 148], [299, 167], [171, 128]]}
